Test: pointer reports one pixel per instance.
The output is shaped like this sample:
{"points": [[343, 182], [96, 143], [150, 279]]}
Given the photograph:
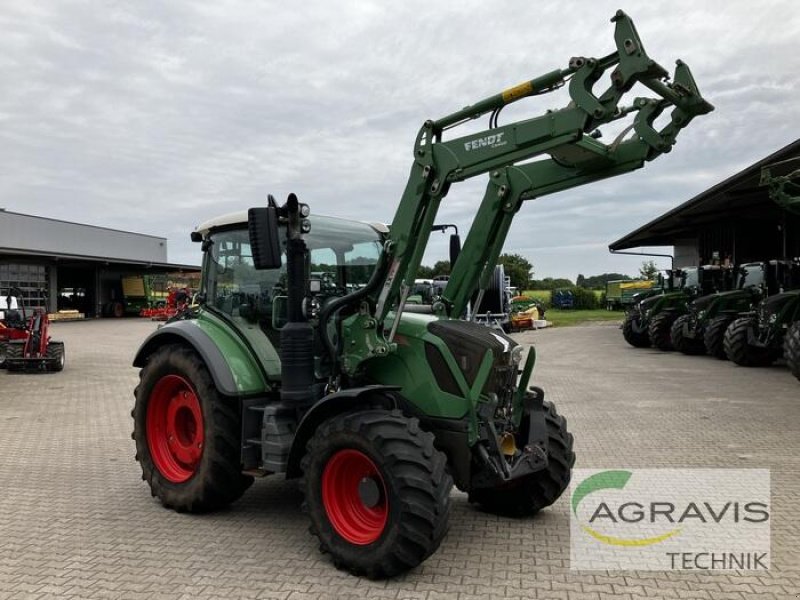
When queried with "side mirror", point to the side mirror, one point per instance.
{"points": [[455, 249], [262, 225]]}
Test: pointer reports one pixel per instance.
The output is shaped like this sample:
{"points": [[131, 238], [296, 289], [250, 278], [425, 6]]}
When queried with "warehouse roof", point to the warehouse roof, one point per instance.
{"points": [[30, 235], [740, 194]]}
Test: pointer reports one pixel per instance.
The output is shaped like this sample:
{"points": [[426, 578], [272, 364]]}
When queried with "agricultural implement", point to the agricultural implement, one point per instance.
{"points": [[375, 410]]}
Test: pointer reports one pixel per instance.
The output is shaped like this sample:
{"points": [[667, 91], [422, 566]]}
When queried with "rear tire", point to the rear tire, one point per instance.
{"points": [[2, 355], [377, 492], [55, 357], [660, 330], [740, 351], [714, 337], [528, 495], [637, 339], [14, 351], [188, 437], [791, 349], [682, 343]]}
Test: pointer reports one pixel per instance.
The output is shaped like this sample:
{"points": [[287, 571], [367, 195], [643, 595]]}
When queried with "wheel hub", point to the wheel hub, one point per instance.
{"points": [[175, 433], [354, 497]]}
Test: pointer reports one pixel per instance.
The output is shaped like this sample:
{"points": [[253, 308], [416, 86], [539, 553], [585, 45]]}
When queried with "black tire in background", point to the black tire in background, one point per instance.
{"points": [[216, 479], [2, 355], [740, 351], [406, 518], [637, 339], [682, 343], [714, 336], [660, 330], [791, 349], [528, 495]]}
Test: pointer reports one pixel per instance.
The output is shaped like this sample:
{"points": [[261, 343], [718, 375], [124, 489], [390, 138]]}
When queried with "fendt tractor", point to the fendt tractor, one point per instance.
{"points": [[649, 321], [773, 329], [702, 329], [377, 411], [757, 337]]}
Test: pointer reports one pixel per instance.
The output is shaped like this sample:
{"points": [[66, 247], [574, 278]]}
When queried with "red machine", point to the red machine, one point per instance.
{"points": [[26, 341]]}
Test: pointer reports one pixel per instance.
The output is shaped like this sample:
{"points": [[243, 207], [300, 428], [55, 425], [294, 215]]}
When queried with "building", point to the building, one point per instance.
{"points": [[59, 264], [735, 218]]}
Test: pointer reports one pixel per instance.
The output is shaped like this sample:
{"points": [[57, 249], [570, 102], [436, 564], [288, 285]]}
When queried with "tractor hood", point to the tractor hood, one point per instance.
{"points": [[775, 303]]}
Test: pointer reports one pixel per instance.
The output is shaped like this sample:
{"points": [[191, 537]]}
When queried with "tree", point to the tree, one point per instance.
{"points": [[517, 268], [425, 272], [580, 281], [442, 267], [648, 270]]}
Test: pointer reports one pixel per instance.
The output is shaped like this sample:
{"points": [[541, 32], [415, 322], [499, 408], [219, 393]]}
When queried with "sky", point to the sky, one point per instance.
{"points": [[156, 116]]}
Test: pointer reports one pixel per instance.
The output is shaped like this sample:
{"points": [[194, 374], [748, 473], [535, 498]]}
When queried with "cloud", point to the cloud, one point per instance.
{"points": [[153, 116]]}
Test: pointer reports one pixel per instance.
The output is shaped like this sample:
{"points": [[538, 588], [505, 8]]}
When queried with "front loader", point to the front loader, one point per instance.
{"points": [[378, 411]]}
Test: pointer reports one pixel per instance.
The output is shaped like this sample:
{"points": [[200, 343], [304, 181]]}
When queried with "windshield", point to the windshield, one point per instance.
{"points": [[342, 255], [751, 275], [691, 277]]}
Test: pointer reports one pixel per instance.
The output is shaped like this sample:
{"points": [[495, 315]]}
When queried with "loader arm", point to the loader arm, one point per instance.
{"points": [[575, 157]]}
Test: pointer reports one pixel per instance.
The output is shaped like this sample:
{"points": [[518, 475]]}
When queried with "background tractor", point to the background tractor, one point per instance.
{"points": [[25, 341], [759, 337], [649, 321], [702, 328], [378, 411]]}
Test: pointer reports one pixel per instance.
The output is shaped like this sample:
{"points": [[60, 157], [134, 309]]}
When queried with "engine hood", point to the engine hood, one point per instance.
{"points": [[777, 301]]}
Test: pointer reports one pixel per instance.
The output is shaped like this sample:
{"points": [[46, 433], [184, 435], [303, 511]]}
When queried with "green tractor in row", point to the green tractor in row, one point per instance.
{"points": [[649, 321], [375, 410], [702, 329], [771, 330]]}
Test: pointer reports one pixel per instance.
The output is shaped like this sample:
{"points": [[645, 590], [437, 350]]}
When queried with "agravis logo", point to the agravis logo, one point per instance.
{"points": [[603, 481], [656, 519]]}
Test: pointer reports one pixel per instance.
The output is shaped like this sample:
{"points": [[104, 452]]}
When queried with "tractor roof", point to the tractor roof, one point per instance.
{"points": [[240, 218]]}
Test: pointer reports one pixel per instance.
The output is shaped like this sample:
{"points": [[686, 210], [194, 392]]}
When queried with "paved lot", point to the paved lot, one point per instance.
{"points": [[76, 521]]}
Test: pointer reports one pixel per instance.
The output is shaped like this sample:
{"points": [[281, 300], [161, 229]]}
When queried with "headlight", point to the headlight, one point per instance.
{"points": [[516, 355], [772, 318], [700, 315]]}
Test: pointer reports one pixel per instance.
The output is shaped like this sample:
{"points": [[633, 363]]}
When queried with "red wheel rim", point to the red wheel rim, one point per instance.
{"points": [[175, 428], [343, 481]]}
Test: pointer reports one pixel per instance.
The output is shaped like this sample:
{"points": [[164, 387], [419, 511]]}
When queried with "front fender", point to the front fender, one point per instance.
{"points": [[233, 368], [329, 406]]}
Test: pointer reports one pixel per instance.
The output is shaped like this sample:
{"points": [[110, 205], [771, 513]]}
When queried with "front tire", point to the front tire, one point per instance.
{"points": [[660, 330], [188, 437], [739, 350], [632, 332], [682, 343], [791, 349], [714, 337], [55, 357], [377, 492], [528, 495]]}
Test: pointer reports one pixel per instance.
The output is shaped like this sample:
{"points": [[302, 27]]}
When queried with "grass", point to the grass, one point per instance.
{"points": [[566, 318]]}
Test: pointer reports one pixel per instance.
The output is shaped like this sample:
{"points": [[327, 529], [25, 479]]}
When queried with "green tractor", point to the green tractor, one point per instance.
{"points": [[702, 328], [375, 410], [761, 336], [649, 321]]}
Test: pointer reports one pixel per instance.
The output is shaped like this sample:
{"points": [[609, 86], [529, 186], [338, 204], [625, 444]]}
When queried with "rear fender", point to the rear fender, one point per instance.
{"points": [[331, 405], [235, 372]]}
